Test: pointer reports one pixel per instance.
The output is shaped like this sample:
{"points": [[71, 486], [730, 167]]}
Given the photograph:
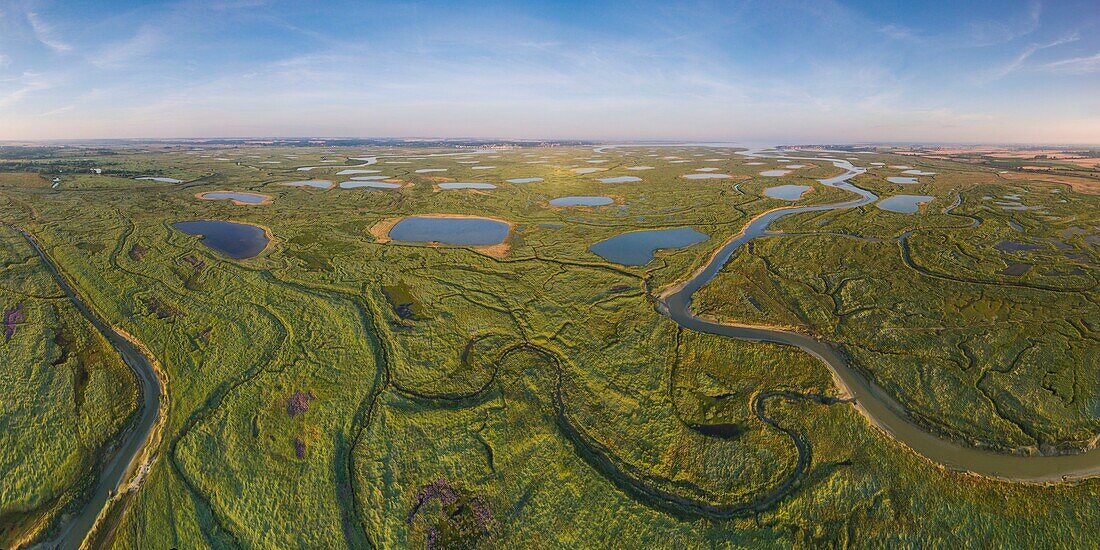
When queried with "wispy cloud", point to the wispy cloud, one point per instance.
{"points": [[1018, 62], [13, 90], [46, 34], [120, 53], [1076, 65], [57, 111]]}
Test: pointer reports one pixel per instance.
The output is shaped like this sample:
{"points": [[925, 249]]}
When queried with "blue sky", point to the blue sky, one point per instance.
{"points": [[816, 71]]}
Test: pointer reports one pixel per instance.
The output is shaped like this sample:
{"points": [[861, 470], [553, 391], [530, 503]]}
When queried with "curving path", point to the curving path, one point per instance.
{"points": [[874, 403], [123, 459]]}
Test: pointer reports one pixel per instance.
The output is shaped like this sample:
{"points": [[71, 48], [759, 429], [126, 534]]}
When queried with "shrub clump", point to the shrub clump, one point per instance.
{"points": [[299, 402], [12, 318], [460, 521]]}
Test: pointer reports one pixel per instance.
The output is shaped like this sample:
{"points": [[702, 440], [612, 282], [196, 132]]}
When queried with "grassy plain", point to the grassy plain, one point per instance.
{"points": [[340, 391]]}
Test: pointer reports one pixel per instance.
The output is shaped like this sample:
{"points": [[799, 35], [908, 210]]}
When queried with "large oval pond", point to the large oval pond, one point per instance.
{"points": [[458, 231], [904, 204], [579, 200], [235, 196], [638, 247], [900, 180], [786, 192], [369, 184], [236, 240], [161, 180], [620, 179], [707, 176], [466, 185], [318, 184]]}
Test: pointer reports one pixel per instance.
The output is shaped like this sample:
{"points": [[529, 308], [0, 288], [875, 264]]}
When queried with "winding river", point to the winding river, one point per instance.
{"points": [[872, 401], [123, 459]]}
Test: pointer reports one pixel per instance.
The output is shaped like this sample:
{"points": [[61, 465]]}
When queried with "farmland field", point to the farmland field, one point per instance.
{"points": [[328, 384]]}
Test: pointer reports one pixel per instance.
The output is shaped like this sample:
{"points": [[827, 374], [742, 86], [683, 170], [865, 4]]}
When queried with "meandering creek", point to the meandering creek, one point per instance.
{"points": [[873, 402], [122, 462]]}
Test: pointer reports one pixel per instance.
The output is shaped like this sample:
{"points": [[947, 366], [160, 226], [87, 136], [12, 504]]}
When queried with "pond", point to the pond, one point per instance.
{"points": [[914, 172], [162, 180], [708, 176], [904, 204], [578, 200], [466, 185], [235, 196], [786, 192], [639, 167], [1016, 269], [638, 247], [430, 170], [524, 180], [774, 173], [319, 184], [901, 180], [446, 230], [1015, 246], [369, 178], [351, 172], [586, 170], [620, 179], [236, 240], [371, 184]]}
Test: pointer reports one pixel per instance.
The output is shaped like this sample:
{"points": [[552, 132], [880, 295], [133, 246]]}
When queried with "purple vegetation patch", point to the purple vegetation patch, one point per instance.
{"points": [[12, 318], [299, 402], [299, 447], [461, 520], [438, 489]]}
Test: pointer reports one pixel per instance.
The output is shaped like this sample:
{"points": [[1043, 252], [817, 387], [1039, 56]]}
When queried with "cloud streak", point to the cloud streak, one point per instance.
{"points": [[1076, 65], [46, 34]]}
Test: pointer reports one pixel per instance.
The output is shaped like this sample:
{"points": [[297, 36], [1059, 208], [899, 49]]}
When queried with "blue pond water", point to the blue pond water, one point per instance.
{"points": [[458, 231], [466, 185], [236, 240], [786, 192], [904, 204], [372, 184], [249, 198], [578, 200], [638, 247]]}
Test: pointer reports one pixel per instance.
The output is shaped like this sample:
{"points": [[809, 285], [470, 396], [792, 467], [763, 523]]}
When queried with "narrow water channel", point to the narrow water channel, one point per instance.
{"points": [[873, 402]]}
